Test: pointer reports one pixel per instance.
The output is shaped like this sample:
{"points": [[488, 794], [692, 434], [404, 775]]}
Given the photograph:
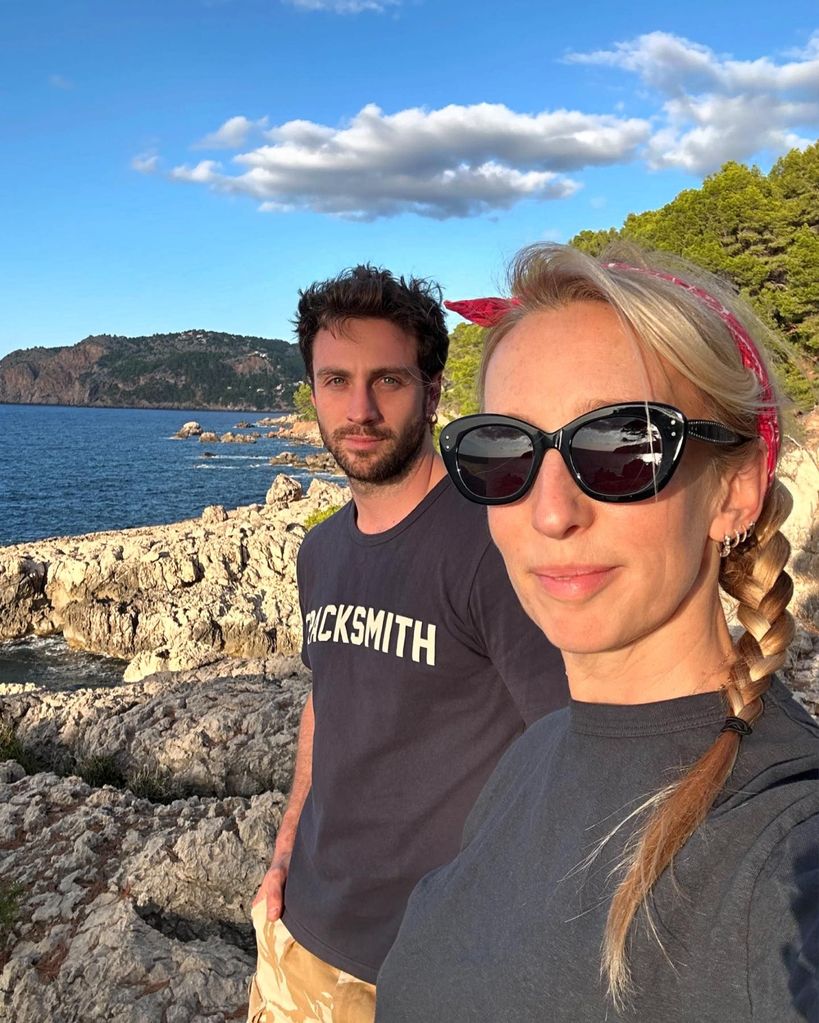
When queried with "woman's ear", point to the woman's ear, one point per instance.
{"points": [[742, 494]]}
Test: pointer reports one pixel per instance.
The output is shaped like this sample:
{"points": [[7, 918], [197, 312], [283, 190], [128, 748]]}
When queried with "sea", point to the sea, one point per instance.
{"points": [[67, 470]]}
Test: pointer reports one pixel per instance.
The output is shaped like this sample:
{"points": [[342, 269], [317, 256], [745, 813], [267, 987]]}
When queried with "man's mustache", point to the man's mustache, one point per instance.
{"points": [[357, 431]]}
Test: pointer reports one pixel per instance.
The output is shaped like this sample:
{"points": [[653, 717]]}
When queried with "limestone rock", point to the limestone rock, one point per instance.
{"points": [[129, 912], [209, 437], [191, 429], [214, 513], [167, 597], [320, 462], [239, 438], [283, 491], [322, 494], [228, 729]]}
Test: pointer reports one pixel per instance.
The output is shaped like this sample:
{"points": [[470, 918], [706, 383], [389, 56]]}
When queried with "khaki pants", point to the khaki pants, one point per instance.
{"points": [[291, 985]]}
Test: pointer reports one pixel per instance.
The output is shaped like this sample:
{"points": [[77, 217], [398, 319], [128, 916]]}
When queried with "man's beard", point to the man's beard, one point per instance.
{"points": [[389, 466]]}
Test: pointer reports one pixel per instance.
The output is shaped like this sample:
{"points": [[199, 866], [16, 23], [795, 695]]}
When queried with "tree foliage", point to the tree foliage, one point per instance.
{"points": [[460, 396], [303, 402], [762, 233]]}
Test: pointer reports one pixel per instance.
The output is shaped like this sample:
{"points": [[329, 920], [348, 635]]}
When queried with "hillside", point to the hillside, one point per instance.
{"points": [[761, 232], [191, 369]]}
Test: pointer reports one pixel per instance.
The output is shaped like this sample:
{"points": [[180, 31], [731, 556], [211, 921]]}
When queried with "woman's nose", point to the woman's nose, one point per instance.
{"points": [[558, 505]]}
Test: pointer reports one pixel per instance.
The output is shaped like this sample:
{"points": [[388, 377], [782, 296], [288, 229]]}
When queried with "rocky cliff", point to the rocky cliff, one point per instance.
{"points": [[170, 597], [130, 902], [191, 369]]}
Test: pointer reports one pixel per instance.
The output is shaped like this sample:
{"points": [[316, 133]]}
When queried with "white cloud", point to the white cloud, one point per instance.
{"points": [[715, 108], [60, 82], [232, 134], [204, 173], [145, 163], [343, 6], [702, 108], [453, 162]]}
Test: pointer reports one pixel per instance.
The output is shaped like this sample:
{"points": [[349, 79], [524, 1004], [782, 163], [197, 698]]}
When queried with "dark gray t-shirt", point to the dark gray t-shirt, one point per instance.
{"points": [[511, 930], [425, 669]]}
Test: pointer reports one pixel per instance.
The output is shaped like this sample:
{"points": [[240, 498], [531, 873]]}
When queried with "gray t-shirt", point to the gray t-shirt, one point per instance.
{"points": [[425, 669], [511, 930]]}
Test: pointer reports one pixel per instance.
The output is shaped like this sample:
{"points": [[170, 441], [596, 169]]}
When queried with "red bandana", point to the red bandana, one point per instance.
{"points": [[486, 312]]}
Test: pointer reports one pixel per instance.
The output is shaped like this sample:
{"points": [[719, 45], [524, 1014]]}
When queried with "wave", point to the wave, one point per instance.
{"points": [[224, 458]]}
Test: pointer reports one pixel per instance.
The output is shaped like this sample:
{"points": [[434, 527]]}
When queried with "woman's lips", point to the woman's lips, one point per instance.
{"points": [[574, 582]]}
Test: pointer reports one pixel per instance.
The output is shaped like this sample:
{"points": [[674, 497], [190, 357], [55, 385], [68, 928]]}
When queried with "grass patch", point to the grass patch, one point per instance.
{"points": [[100, 769], [315, 517], [148, 784], [11, 748], [10, 892]]}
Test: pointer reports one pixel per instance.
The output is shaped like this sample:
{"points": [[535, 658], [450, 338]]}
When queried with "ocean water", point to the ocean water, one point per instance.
{"points": [[65, 471], [49, 662]]}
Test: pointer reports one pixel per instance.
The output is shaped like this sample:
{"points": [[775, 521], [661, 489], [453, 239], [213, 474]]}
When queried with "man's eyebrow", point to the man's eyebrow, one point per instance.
{"points": [[381, 371], [329, 371]]}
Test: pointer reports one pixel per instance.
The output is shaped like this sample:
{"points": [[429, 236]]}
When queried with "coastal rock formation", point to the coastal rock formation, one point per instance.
{"points": [[239, 438], [190, 369], [290, 427], [191, 429], [228, 729], [283, 491], [322, 461], [167, 598], [126, 911]]}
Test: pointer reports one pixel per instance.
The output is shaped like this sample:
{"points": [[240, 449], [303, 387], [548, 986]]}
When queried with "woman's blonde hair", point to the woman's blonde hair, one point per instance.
{"points": [[673, 323]]}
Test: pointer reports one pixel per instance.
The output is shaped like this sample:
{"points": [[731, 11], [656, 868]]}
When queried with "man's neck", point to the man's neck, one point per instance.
{"points": [[381, 506]]}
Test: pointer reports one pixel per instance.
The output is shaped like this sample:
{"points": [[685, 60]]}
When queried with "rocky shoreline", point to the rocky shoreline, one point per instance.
{"points": [[285, 427], [136, 822], [170, 598], [132, 909]]}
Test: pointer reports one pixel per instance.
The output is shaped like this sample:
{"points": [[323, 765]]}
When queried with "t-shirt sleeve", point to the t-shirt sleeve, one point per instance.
{"points": [[301, 583], [529, 665], [783, 931]]}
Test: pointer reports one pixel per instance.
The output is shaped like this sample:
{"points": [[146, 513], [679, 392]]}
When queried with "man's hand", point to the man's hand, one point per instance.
{"points": [[272, 887]]}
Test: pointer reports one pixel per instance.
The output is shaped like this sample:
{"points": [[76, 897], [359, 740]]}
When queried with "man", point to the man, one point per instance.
{"points": [[424, 666]]}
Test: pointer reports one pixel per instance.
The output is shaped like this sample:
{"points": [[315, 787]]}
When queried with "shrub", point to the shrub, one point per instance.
{"points": [[320, 515]]}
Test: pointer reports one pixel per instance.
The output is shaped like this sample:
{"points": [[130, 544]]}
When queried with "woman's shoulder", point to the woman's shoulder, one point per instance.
{"points": [[524, 765], [791, 716]]}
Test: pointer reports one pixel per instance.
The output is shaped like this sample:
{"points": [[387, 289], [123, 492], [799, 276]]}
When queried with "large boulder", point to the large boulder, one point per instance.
{"points": [[191, 429], [283, 491]]}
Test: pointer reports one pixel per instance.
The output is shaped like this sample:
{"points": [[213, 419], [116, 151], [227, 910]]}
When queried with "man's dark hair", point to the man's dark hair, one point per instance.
{"points": [[367, 291]]}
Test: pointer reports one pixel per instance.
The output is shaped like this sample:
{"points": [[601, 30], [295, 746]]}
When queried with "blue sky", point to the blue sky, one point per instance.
{"points": [[191, 163]]}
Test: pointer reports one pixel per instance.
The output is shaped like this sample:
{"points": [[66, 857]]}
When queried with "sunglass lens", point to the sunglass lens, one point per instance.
{"points": [[618, 456], [495, 461]]}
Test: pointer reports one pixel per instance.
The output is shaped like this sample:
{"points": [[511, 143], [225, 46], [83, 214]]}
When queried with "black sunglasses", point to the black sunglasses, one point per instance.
{"points": [[617, 453]]}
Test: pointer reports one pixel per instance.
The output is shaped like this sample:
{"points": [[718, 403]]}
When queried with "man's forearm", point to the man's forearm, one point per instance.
{"points": [[302, 779]]}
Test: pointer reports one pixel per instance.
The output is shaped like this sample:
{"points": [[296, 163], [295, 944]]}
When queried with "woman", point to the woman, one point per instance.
{"points": [[652, 852]]}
